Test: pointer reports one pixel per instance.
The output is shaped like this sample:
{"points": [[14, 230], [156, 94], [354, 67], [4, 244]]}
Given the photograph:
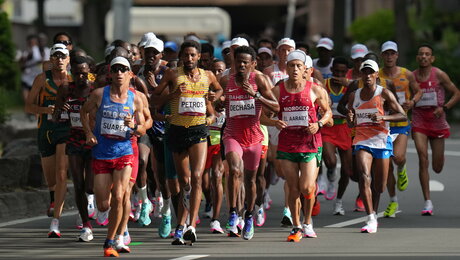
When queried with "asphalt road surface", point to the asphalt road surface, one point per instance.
{"points": [[408, 236]]}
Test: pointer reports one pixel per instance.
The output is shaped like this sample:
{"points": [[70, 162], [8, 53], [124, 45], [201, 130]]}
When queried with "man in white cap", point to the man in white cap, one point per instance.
{"points": [[226, 53], [408, 93], [372, 142], [146, 37], [277, 72], [323, 63], [119, 114], [299, 151], [264, 58], [41, 101], [358, 51]]}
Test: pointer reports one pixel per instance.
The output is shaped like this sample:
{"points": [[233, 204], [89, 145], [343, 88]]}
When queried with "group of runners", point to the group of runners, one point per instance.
{"points": [[157, 125]]}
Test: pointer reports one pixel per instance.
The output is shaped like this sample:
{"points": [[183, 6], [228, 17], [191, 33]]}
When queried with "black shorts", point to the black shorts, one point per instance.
{"points": [[181, 138], [48, 138], [144, 140], [71, 149]]}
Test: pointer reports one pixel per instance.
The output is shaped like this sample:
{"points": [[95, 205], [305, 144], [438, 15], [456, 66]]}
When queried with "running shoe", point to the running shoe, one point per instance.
{"points": [[78, 222], [390, 212], [54, 229], [248, 229], [428, 208], [274, 178], [110, 252], [322, 185], [198, 220], [215, 227], [207, 211], [331, 175], [102, 218], [286, 221], [158, 206], [144, 218], [267, 201], [50, 210], [331, 191], [86, 235], [371, 225], [403, 180], [177, 239], [126, 237], [231, 225], [260, 216], [338, 209], [308, 231], [91, 208], [316, 207], [186, 198], [295, 235], [165, 226], [121, 247], [240, 224], [190, 234], [359, 204]]}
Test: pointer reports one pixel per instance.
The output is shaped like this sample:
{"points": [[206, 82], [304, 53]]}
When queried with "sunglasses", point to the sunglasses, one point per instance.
{"points": [[66, 43], [59, 56], [116, 69]]}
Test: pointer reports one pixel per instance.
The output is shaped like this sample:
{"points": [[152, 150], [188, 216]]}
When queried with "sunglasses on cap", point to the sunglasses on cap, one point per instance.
{"points": [[66, 43], [59, 55], [116, 69]]}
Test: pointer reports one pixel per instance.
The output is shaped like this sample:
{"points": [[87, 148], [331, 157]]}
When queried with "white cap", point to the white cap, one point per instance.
{"points": [[120, 60], [358, 51], [239, 42], [389, 45], [286, 41], [108, 50], [59, 47], [146, 37], [192, 37], [300, 55], [264, 50], [226, 45], [369, 64], [325, 43], [154, 43]]}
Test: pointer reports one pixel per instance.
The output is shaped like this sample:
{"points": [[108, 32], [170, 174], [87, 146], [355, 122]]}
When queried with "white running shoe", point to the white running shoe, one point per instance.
{"points": [[121, 247], [260, 216], [86, 235], [91, 206], [338, 209], [240, 224], [308, 231], [103, 218], [158, 205], [54, 229], [331, 191], [190, 234], [371, 224], [322, 185], [215, 227], [267, 200], [428, 208]]}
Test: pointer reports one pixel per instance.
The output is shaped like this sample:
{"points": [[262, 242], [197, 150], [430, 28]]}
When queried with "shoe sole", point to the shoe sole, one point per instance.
{"points": [[54, 235], [178, 242], [286, 222], [233, 234], [366, 231], [215, 231], [124, 250], [189, 236], [427, 213]]}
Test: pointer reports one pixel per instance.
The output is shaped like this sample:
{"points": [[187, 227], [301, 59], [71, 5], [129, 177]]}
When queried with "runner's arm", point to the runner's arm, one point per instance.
{"points": [[90, 106], [342, 106], [450, 87], [415, 90], [216, 87], [398, 113], [60, 104], [31, 105], [267, 97]]}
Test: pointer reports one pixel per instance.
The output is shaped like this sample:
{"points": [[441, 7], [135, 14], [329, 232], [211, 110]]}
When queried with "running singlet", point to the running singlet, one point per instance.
{"points": [[402, 90], [339, 118], [113, 137], [369, 133], [298, 111], [278, 74], [47, 97], [190, 108], [215, 128], [77, 136], [433, 97], [243, 113], [158, 127], [326, 70]]}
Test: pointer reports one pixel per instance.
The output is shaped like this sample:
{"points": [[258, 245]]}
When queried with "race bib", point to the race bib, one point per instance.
{"points": [[75, 120], [64, 116], [401, 97], [245, 107], [192, 106], [429, 99], [363, 116], [219, 122], [296, 118], [335, 112], [113, 128]]}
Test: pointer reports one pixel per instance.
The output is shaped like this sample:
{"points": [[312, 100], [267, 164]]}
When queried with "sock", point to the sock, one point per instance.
{"points": [[120, 238], [338, 200], [143, 194], [52, 195], [394, 199], [180, 227], [108, 243], [248, 214], [165, 210], [232, 210]]}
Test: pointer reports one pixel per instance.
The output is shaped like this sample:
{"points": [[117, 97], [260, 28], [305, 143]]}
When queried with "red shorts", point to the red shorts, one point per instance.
{"points": [[212, 150], [433, 134], [135, 160], [338, 135], [264, 151], [108, 166]]}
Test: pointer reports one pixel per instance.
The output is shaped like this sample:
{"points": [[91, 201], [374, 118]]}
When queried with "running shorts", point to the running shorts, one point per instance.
{"points": [[101, 166]]}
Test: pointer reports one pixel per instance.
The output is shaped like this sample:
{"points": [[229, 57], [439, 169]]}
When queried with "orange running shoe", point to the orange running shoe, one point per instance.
{"points": [[110, 252], [316, 208], [295, 235]]}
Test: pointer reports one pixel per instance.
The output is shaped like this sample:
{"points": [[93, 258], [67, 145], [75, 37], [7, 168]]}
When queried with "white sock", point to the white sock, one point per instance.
{"points": [[165, 210], [394, 199], [143, 194], [338, 200]]}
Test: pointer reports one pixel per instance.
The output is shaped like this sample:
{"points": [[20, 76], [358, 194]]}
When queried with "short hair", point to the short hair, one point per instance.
{"points": [[303, 45], [190, 43], [207, 48], [217, 60], [266, 40], [118, 43], [428, 46], [372, 56], [245, 50], [77, 60], [340, 60], [61, 33]]}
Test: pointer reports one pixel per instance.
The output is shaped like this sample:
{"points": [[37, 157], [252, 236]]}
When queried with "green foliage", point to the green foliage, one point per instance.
{"points": [[378, 26]]}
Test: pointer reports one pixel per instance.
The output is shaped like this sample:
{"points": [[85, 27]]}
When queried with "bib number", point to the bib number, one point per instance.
{"points": [[245, 107], [75, 120], [429, 99], [363, 116], [296, 118], [401, 97], [113, 128], [192, 106]]}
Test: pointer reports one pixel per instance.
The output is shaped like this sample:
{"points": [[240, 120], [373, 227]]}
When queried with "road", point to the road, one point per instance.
{"points": [[408, 236]]}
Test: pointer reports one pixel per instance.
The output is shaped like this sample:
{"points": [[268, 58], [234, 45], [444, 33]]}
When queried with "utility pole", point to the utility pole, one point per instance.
{"points": [[122, 19]]}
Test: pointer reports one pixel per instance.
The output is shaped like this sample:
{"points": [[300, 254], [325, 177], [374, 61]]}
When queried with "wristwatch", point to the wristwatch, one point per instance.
{"points": [[320, 124], [257, 95]]}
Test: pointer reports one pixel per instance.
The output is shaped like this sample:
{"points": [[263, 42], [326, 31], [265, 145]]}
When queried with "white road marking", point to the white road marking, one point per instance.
{"points": [[354, 221], [448, 153], [25, 220], [436, 185], [189, 257]]}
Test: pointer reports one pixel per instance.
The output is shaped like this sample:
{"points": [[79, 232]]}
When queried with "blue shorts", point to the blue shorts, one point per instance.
{"points": [[377, 153], [400, 130]]}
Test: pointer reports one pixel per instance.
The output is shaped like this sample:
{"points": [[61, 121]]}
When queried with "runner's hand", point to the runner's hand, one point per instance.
{"points": [[50, 109], [408, 104], [180, 89], [91, 139], [376, 118], [280, 124], [312, 128], [438, 112], [350, 115], [342, 81], [249, 89], [129, 121]]}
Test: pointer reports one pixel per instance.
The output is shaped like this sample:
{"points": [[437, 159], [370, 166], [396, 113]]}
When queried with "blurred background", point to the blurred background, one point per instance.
{"points": [[95, 23]]}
